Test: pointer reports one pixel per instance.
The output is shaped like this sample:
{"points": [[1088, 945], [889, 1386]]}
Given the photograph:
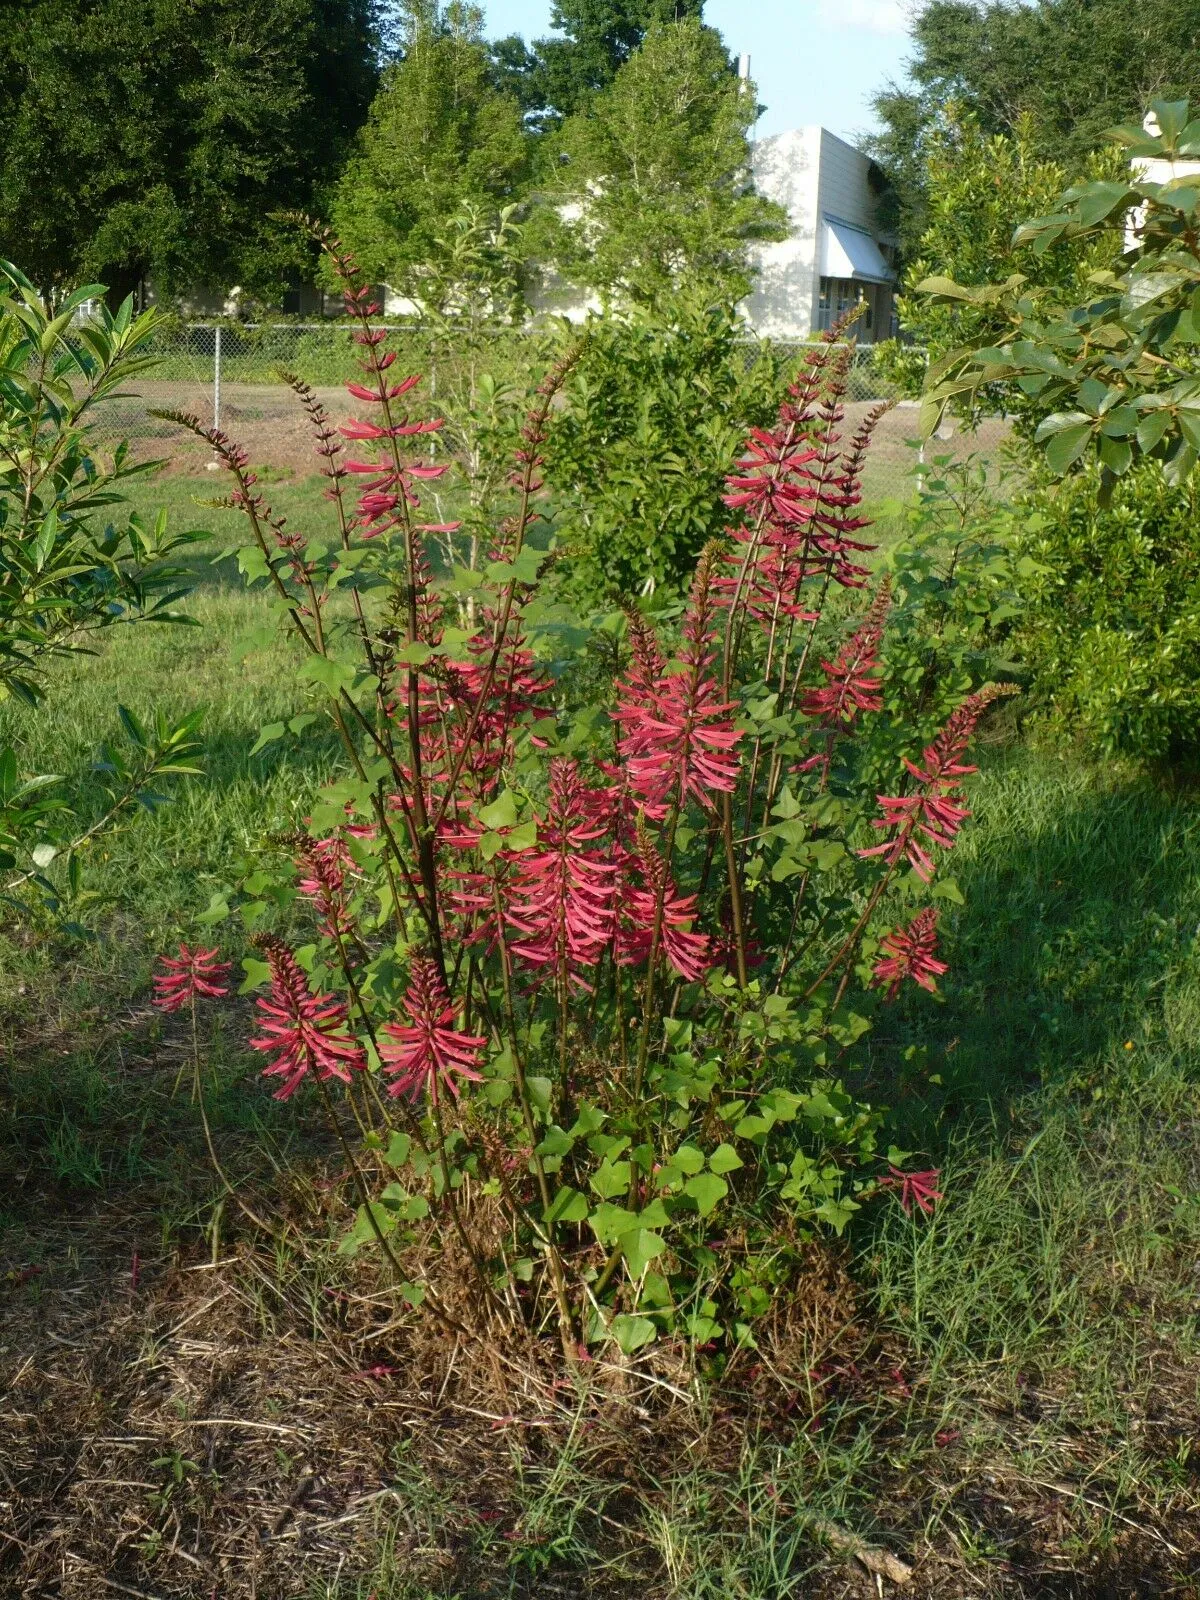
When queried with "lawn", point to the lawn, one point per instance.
{"points": [[1003, 1397]]}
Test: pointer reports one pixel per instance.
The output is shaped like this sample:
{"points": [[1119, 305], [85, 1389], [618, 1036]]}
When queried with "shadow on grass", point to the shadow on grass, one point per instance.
{"points": [[1076, 955]]}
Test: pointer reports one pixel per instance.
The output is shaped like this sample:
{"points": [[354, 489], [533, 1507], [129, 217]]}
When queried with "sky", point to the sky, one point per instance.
{"points": [[813, 60]]}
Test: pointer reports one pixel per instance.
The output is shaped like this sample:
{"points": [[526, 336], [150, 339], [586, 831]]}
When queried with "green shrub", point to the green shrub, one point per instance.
{"points": [[1112, 629], [655, 415]]}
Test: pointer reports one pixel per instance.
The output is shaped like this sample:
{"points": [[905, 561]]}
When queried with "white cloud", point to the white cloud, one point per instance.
{"points": [[872, 16]]}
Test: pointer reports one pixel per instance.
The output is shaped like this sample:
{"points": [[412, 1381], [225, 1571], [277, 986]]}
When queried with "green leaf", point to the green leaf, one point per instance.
{"points": [[568, 1205], [609, 1222], [502, 813], [1067, 446], [640, 1247], [1151, 428], [399, 1145], [218, 909], [252, 563], [522, 837], [332, 676], [1116, 455], [540, 1090], [725, 1159], [361, 1232], [257, 973], [611, 1179], [707, 1190], [268, 735], [688, 1159], [631, 1332]]}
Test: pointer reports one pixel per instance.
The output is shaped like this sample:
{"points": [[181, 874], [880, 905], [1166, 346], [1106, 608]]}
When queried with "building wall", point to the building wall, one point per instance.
{"points": [[787, 169], [812, 174]]}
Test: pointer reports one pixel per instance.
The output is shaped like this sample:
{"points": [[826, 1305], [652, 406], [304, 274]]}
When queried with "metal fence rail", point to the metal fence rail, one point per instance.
{"points": [[233, 377]]}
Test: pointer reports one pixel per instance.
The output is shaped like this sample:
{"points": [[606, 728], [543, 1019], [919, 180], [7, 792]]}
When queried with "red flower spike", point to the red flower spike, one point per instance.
{"points": [[560, 896], [188, 976], [322, 864], [933, 810], [688, 952], [910, 954], [916, 1188], [428, 1050], [305, 1032], [854, 683], [677, 734]]}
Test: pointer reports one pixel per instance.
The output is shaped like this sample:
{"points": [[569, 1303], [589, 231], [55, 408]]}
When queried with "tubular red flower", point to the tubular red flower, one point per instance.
{"points": [[797, 493], [560, 897], [690, 953], [933, 810], [305, 1032], [677, 735], [187, 976], [323, 864], [919, 1188], [427, 1050], [854, 682], [911, 954]]}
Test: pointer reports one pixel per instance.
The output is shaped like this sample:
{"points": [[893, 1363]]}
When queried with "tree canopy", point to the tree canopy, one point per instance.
{"points": [[159, 136], [655, 174], [978, 188], [559, 76], [439, 136], [1072, 68]]}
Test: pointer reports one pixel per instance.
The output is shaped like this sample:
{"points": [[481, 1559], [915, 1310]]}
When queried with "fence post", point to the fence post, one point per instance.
{"points": [[217, 377]]}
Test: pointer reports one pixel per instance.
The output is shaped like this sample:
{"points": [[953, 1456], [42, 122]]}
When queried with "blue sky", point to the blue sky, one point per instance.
{"points": [[813, 60]]}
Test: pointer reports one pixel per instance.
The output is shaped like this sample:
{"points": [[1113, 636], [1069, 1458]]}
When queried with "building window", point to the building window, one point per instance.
{"points": [[839, 295]]}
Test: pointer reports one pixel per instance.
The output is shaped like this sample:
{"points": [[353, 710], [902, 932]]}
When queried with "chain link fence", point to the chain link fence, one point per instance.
{"points": [[234, 377]]}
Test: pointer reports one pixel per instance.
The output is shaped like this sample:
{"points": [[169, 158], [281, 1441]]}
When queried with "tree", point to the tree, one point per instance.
{"points": [[657, 170], [979, 187], [438, 136], [158, 137], [1072, 67], [1106, 375], [559, 77]]}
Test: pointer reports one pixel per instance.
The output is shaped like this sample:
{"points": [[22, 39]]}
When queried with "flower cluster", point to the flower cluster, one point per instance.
{"points": [[677, 734], [428, 1051], [304, 1033], [910, 954], [933, 812], [188, 976]]}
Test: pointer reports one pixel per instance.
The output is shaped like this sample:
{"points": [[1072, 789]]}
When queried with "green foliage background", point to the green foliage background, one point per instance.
{"points": [[157, 136]]}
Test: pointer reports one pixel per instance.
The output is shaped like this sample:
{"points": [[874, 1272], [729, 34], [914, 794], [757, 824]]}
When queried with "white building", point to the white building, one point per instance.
{"points": [[836, 254]]}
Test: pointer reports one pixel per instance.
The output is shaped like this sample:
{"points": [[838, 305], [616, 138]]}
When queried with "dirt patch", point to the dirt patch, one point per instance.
{"points": [[265, 418]]}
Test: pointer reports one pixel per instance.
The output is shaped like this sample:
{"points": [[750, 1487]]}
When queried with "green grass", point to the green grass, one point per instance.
{"points": [[1043, 1323]]}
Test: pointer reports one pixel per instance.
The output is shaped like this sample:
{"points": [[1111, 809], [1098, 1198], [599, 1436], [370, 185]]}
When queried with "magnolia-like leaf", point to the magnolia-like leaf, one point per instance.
{"points": [[1067, 446]]}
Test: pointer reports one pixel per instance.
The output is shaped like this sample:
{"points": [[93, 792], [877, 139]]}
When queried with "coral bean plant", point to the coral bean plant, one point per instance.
{"points": [[581, 987]]}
